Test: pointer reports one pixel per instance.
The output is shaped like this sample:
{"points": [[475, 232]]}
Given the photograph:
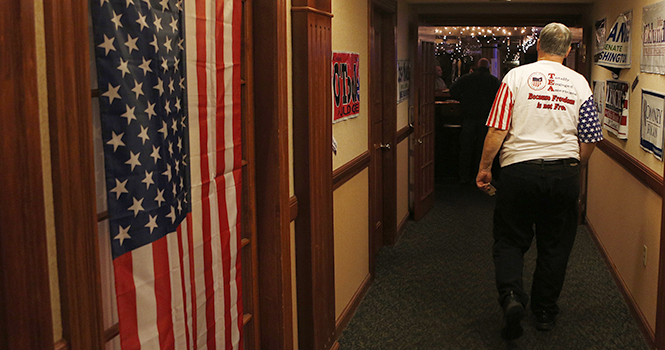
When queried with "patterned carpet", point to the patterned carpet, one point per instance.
{"points": [[435, 290]]}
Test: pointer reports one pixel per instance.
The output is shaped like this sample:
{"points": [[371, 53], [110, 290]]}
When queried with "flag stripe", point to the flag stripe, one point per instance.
{"points": [[144, 282], [182, 319], [126, 299], [162, 290], [222, 159]]}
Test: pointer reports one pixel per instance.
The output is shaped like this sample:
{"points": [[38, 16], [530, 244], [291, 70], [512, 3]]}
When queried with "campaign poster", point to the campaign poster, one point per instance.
{"points": [[615, 118], [403, 80], [616, 52], [345, 85], [653, 39], [599, 96], [651, 133], [600, 37]]}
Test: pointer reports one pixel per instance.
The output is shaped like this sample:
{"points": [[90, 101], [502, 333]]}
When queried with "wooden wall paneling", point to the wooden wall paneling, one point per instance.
{"points": [[636, 168], [389, 69], [25, 307], [70, 122], [249, 253], [347, 171], [312, 153], [272, 175]]}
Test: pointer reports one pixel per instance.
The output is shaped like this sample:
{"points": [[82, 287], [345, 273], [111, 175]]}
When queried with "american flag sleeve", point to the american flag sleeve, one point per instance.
{"points": [[502, 109], [588, 127]]}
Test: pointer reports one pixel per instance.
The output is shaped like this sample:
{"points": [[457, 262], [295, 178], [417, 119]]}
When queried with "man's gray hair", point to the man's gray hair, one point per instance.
{"points": [[555, 39]]}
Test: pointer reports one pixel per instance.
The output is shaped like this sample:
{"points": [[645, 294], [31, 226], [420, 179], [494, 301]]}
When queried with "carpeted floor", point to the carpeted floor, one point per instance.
{"points": [[435, 290]]}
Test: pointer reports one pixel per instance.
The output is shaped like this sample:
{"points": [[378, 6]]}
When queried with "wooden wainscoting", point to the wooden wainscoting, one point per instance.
{"points": [[634, 166], [347, 171]]}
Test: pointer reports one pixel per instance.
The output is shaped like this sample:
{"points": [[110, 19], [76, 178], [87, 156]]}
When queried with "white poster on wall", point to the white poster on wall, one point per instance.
{"points": [[653, 39], [651, 133], [616, 108], [616, 52], [599, 96], [403, 80]]}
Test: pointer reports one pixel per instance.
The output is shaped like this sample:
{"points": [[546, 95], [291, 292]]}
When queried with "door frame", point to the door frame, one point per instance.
{"points": [[388, 47]]}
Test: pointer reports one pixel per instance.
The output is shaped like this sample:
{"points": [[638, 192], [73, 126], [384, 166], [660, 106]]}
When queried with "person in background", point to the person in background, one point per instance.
{"points": [[475, 92], [545, 123], [439, 84]]}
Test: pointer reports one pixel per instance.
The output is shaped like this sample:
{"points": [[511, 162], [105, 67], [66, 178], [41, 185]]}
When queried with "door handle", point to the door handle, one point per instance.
{"points": [[419, 141], [385, 146]]}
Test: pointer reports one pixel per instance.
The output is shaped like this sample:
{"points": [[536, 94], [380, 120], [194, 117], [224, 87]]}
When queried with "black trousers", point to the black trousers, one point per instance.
{"points": [[535, 198], [472, 139]]}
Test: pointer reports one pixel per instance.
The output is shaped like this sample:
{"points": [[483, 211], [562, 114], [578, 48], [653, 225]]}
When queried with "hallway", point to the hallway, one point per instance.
{"points": [[435, 289]]}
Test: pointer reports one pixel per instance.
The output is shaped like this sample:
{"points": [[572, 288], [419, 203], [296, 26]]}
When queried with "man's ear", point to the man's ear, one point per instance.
{"points": [[538, 45], [568, 52]]}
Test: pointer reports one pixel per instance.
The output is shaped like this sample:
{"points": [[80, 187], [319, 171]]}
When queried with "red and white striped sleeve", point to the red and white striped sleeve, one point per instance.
{"points": [[502, 109]]}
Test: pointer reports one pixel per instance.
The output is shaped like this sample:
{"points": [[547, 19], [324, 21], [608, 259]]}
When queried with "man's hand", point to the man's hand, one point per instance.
{"points": [[483, 179]]}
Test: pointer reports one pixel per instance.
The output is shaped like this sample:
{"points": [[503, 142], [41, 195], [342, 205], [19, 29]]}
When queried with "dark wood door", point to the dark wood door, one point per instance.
{"points": [[376, 135], [424, 131]]}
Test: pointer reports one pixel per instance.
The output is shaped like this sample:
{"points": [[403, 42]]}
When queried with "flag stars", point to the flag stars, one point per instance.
{"points": [[145, 66], [177, 101], [164, 4], [158, 23], [167, 45], [107, 45], [120, 188], [116, 20], [138, 88], [123, 67], [160, 86], [179, 5], [182, 83], [171, 215], [180, 144], [152, 223], [148, 2], [180, 44], [150, 111], [164, 130], [130, 2], [160, 197], [155, 153], [141, 21], [165, 64], [137, 206], [167, 107], [167, 173], [170, 151], [131, 43], [143, 135], [148, 179], [112, 93], [123, 234], [116, 140], [133, 159], [174, 126], [174, 24], [177, 64], [155, 43], [129, 114]]}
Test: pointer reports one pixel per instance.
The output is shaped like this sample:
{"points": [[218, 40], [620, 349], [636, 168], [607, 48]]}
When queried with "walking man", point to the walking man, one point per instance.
{"points": [[475, 92], [545, 123]]}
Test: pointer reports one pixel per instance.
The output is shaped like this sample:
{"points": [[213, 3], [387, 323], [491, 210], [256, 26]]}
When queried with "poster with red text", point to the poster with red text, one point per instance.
{"points": [[616, 108], [345, 85]]}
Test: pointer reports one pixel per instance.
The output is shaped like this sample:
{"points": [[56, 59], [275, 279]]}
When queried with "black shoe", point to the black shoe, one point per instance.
{"points": [[544, 320], [513, 312]]}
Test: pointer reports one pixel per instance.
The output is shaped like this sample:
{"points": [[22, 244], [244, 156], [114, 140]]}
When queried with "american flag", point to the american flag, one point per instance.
{"points": [[169, 82]]}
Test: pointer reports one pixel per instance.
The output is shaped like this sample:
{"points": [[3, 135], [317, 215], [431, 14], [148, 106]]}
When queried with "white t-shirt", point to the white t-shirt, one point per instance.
{"points": [[547, 109]]}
